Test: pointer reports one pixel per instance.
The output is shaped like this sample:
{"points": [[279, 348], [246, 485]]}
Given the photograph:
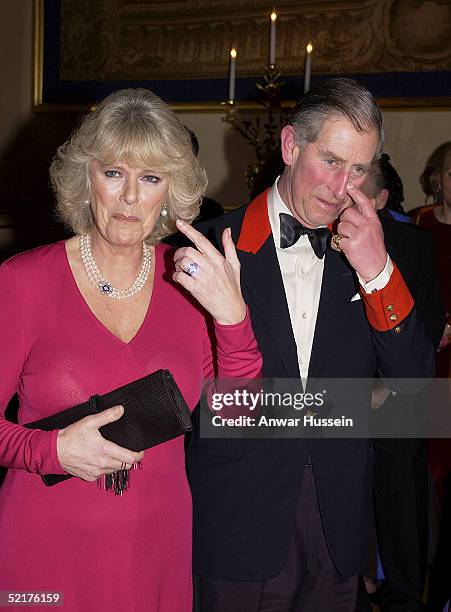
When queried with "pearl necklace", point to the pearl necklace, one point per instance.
{"points": [[105, 287]]}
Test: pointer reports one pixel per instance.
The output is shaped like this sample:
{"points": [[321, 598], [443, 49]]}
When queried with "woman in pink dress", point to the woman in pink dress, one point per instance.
{"points": [[91, 314]]}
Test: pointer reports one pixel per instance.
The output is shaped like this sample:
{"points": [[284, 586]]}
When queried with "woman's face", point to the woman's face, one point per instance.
{"points": [[445, 180], [126, 201]]}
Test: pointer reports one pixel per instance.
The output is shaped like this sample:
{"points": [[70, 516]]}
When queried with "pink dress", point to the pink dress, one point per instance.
{"points": [[102, 552]]}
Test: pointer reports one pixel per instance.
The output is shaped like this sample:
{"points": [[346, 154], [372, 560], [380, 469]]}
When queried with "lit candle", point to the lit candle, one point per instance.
{"points": [[232, 75], [272, 40], [308, 67]]}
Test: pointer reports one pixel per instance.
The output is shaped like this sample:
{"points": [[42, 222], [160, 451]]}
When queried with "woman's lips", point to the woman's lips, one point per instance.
{"points": [[125, 219]]}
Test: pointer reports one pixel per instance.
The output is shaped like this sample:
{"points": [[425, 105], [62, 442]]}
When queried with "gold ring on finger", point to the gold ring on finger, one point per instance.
{"points": [[336, 238]]}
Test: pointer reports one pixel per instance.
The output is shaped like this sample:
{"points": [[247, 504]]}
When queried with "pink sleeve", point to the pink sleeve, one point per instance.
{"points": [[236, 351], [20, 448]]}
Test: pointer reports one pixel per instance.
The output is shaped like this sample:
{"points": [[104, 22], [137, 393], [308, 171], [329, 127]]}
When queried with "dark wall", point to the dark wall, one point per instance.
{"points": [[27, 197]]}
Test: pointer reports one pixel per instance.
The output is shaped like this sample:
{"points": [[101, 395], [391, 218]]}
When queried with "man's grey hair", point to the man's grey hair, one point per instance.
{"points": [[336, 98]]}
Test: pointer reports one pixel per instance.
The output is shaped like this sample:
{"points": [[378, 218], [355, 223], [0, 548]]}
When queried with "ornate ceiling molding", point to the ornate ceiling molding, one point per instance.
{"points": [[185, 39]]}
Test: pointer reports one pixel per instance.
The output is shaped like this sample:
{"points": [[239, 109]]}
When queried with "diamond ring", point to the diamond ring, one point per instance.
{"points": [[192, 268]]}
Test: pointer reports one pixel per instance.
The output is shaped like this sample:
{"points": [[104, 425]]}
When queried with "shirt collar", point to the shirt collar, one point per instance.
{"points": [[261, 219], [276, 206]]}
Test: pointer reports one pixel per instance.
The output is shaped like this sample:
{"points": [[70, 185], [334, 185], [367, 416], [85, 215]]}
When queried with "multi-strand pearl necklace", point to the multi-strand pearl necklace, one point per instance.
{"points": [[105, 287]]}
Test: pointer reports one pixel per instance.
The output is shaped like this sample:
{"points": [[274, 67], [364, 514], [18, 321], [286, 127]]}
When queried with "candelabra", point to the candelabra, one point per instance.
{"points": [[262, 133]]}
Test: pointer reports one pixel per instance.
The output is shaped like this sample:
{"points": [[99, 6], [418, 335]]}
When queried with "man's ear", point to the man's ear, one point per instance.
{"points": [[289, 148], [381, 199]]}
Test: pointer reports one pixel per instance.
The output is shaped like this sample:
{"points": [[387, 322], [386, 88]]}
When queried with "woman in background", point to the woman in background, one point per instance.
{"points": [[438, 221]]}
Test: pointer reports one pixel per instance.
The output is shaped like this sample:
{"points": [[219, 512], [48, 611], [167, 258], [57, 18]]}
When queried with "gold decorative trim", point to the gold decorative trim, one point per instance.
{"points": [[400, 104], [443, 103], [38, 52], [438, 103]]}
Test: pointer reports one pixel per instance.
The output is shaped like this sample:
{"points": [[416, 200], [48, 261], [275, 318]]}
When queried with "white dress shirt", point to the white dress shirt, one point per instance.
{"points": [[302, 275]]}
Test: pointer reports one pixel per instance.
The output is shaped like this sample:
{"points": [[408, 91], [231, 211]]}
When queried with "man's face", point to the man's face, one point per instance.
{"points": [[445, 180], [370, 188], [314, 182]]}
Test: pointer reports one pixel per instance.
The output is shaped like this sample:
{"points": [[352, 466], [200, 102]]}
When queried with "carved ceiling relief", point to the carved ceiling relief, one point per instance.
{"points": [[88, 33], [419, 33], [113, 39]]}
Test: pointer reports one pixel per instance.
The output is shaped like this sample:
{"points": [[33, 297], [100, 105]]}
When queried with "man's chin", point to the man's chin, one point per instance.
{"points": [[327, 218]]}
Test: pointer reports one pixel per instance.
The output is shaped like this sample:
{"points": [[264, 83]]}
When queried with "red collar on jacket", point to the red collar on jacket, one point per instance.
{"points": [[256, 229]]}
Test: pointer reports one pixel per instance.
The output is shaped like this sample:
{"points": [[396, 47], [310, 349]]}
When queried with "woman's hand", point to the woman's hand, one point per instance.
{"points": [[83, 452], [213, 280]]}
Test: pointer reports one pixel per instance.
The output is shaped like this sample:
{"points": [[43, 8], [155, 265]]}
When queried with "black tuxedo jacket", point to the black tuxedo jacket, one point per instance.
{"points": [[412, 249], [401, 482], [245, 491]]}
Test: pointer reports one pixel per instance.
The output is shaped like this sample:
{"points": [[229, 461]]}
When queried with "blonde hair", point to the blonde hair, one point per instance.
{"points": [[134, 126]]}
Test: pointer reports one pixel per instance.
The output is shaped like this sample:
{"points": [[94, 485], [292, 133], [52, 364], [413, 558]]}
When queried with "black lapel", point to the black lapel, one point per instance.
{"points": [[261, 279], [392, 238], [337, 288]]}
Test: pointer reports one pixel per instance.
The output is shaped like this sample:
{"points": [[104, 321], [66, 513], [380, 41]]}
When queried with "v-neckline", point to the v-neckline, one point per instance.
{"points": [[91, 314]]}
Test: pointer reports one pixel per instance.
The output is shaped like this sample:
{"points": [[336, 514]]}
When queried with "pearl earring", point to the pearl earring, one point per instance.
{"points": [[164, 211]]}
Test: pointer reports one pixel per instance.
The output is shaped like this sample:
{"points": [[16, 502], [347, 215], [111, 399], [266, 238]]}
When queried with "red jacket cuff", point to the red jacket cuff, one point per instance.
{"points": [[387, 308]]}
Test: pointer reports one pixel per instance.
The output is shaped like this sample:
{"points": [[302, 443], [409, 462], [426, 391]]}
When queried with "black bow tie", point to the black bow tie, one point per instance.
{"points": [[291, 230]]}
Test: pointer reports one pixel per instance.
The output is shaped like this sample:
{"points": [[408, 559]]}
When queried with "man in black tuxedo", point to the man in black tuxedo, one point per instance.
{"points": [[281, 524], [400, 464]]}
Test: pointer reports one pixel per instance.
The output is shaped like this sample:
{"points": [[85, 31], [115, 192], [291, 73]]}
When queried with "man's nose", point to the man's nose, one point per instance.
{"points": [[130, 192], [338, 182]]}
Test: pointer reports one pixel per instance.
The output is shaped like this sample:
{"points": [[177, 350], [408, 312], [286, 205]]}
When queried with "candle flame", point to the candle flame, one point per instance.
{"points": [[309, 48], [233, 53], [273, 16]]}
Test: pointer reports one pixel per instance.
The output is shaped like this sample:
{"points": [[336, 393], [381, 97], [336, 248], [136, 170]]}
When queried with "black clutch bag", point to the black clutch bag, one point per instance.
{"points": [[154, 412]]}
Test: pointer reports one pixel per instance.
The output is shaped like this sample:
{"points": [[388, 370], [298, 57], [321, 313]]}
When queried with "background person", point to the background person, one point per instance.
{"points": [[438, 221], [385, 183], [86, 316], [400, 465], [429, 177]]}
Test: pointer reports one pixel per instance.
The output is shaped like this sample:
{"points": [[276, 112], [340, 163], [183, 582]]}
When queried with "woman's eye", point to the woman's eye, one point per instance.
{"points": [[111, 173], [150, 178]]}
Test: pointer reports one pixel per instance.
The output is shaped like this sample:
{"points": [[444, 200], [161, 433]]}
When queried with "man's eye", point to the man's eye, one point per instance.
{"points": [[358, 171], [111, 173], [330, 162], [150, 178]]}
